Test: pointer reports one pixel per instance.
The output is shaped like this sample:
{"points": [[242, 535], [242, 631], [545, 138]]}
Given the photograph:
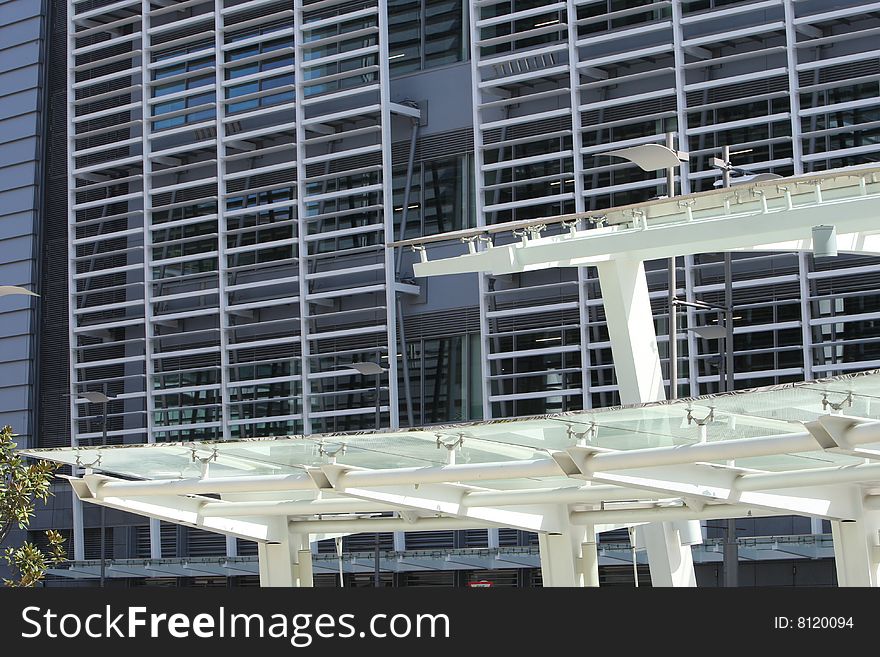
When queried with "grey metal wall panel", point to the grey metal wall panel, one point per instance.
{"points": [[16, 200], [18, 175], [18, 10], [19, 129], [16, 224], [20, 79], [21, 32], [11, 152], [16, 56], [20, 62], [19, 103]]}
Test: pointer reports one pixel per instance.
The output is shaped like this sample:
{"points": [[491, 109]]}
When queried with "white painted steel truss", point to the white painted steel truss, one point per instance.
{"points": [[775, 215], [780, 450]]}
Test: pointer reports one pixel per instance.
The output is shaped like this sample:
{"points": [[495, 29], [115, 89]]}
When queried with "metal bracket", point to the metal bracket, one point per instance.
{"points": [[87, 466], [704, 421], [458, 442], [583, 437], [847, 401], [332, 454], [471, 243], [422, 251], [205, 459]]}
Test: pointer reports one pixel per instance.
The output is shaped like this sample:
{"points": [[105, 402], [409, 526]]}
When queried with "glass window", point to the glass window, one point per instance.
{"points": [[404, 35], [444, 33], [440, 199], [424, 34], [445, 380]]}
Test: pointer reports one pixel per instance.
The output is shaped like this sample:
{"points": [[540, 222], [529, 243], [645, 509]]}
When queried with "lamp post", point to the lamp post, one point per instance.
{"points": [[731, 556], [366, 368], [103, 399], [655, 157]]}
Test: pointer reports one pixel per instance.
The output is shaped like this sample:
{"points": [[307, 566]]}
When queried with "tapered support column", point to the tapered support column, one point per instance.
{"points": [[590, 559], [276, 567], [287, 562], [640, 379], [631, 330], [303, 567], [562, 558], [856, 551], [671, 563]]}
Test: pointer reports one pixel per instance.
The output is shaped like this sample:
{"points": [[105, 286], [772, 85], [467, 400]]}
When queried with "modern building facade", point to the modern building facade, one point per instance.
{"points": [[221, 178]]}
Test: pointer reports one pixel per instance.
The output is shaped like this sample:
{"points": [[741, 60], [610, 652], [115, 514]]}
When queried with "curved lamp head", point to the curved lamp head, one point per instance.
{"points": [[367, 368], [650, 157], [94, 397], [7, 290], [711, 332], [744, 180]]}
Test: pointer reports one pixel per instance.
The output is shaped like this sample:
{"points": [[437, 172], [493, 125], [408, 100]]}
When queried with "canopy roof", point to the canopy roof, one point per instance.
{"points": [[763, 412], [804, 448]]}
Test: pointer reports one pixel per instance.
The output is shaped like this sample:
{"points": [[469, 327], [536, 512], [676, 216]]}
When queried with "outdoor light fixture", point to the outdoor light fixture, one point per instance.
{"points": [[748, 178], [652, 157], [716, 332], [366, 368], [724, 165], [824, 241], [9, 290], [95, 397]]}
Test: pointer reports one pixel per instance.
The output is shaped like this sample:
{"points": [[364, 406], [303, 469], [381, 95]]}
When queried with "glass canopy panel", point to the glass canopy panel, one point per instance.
{"points": [[769, 411], [160, 461]]}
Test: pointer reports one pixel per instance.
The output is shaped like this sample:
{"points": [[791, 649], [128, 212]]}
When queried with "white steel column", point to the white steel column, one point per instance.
{"points": [[671, 563], [479, 202], [691, 337], [222, 275], [806, 314], [304, 565], [680, 95], [388, 219], [794, 96], [558, 560], [855, 551], [155, 526], [76, 503], [301, 225], [276, 567], [287, 562], [640, 379], [857, 548], [566, 559], [589, 558], [631, 330], [577, 144]]}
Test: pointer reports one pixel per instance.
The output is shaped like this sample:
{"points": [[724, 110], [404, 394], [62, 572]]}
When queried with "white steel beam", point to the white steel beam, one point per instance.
{"points": [[448, 500], [358, 525], [783, 221], [181, 511]]}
